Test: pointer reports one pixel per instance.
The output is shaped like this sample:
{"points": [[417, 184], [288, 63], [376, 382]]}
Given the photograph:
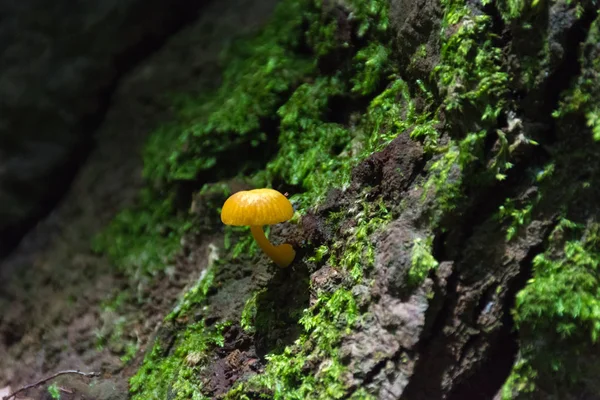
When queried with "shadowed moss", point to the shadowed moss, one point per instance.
{"points": [[142, 240], [208, 129], [584, 96], [473, 85]]}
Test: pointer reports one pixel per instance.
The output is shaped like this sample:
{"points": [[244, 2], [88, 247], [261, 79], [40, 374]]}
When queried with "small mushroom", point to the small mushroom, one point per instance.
{"points": [[256, 208]]}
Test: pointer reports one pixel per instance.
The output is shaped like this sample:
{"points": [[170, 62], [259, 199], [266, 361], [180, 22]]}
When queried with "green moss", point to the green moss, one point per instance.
{"points": [[371, 15], [519, 217], [423, 261], [359, 254], [54, 391], [584, 96], [142, 240], [319, 254], [247, 320], [195, 296], [515, 9], [285, 376], [269, 79], [471, 75], [473, 84], [272, 80], [315, 153], [324, 324], [371, 63], [259, 72], [307, 156], [448, 171], [558, 312], [393, 112], [176, 374]]}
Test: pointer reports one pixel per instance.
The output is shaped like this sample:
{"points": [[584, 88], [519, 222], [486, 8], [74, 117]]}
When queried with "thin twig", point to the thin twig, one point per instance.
{"points": [[42, 381]]}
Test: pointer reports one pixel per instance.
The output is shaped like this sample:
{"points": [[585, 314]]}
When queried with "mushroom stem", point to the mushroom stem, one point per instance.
{"points": [[282, 255]]}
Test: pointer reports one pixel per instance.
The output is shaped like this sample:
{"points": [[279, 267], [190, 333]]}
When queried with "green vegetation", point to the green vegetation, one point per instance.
{"points": [[584, 96], [260, 72], [54, 391], [324, 324], [314, 154], [558, 312], [247, 321], [286, 377], [275, 98], [176, 371], [317, 150], [470, 73], [473, 85], [422, 261], [196, 295], [142, 240]]}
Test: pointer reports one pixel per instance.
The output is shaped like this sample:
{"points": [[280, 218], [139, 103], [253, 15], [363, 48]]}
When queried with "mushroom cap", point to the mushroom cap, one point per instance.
{"points": [[256, 207]]}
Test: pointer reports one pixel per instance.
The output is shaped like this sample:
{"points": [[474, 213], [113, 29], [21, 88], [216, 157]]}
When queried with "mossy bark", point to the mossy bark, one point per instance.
{"points": [[439, 155]]}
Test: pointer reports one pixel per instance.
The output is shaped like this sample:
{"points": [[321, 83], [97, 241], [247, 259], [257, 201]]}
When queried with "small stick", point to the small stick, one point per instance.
{"points": [[42, 381]]}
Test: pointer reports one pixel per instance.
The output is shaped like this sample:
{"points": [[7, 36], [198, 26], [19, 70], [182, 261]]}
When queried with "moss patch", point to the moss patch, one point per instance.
{"points": [[314, 94], [558, 313], [171, 367], [311, 366]]}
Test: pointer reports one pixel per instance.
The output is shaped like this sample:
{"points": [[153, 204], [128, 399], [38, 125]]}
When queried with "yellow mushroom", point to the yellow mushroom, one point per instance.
{"points": [[256, 208]]}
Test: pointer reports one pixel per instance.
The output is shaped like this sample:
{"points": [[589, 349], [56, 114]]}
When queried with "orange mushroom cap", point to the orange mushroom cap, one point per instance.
{"points": [[256, 207]]}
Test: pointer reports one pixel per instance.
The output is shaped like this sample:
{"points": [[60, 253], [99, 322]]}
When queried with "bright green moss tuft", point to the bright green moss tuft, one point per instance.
{"points": [[308, 144], [54, 391], [471, 72], [516, 9], [423, 261], [286, 376], [371, 63], [473, 83], [371, 15], [196, 295], [247, 320], [558, 312]]}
